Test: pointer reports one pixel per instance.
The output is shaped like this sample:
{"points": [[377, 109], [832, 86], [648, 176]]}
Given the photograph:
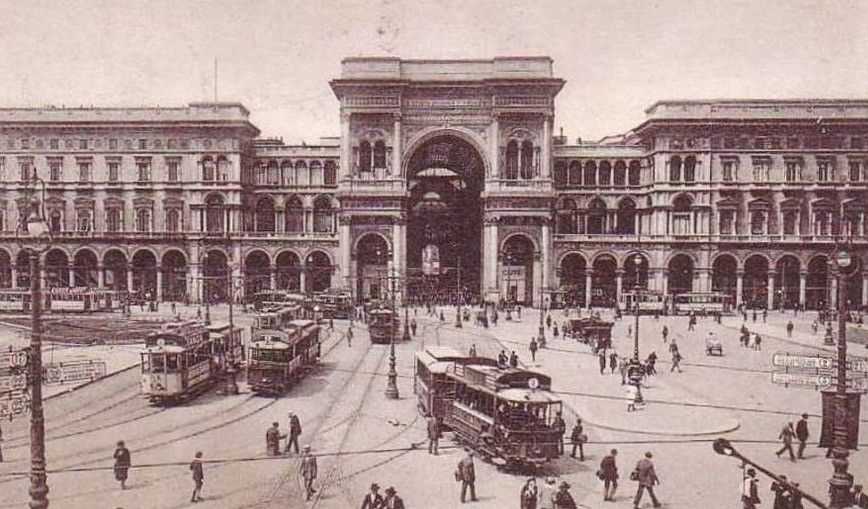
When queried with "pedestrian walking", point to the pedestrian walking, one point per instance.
{"points": [[1, 444], [198, 477], [781, 490], [608, 473], [392, 500], [294, 433], [802, 435], [790, 329], [815, 326], [651, 364], [564, 499], [349, 337], [547, 493], [331, 324], [750, 491], [518, 311], [466, 474], [548, 321], [433, 435], [757, 342], [308, 472], [272, 439], [765, 314], [691, 322], [533, 348], [602, 358], [513, 359], [647, 478], [555, 330], [413, 325], [502, 360], [472, 352], [561, 427], [613, 361], [754, 316], [578, 438], [786, 437], [122, 464], [796, 497], [373, 500], [860, 499], [622, 367], [665, 333], [676, 361], [529, 494]]}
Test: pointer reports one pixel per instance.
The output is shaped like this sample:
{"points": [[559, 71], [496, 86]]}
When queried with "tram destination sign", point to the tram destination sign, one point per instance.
{"points": [[818, 362], [14, 403], [804, 380], [14, 359]]}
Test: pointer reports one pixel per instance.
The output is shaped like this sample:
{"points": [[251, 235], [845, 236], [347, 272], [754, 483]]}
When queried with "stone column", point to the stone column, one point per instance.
{"points": [[704, 280], [100, 276], [272, 283], [864, 287], [833, 297], [159, 285], [619, 283], [396, 147], [71, 276], [589, 280], [665, 281], [803, 283], [301, 278], [546, 253], [346, 162], [14, 282], [770, 291], [739, 285], [129, 278], [545, 164], [537, 279], [494, 154], [345, 248]]}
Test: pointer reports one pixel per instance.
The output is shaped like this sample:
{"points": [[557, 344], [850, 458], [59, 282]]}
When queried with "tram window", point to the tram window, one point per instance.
{"points": [[172, 362], [146, 364], [158, 363]]}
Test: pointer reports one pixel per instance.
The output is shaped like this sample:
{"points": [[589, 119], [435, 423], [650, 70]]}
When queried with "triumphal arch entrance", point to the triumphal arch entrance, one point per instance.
{"points": [[445, 178]]}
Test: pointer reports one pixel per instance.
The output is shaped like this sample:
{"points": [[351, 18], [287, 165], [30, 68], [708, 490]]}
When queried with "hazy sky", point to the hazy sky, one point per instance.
{"points": [[277, 56]]}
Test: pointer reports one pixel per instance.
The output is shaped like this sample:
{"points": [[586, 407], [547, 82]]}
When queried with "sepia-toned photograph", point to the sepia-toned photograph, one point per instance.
{"points": [[433, 254]]}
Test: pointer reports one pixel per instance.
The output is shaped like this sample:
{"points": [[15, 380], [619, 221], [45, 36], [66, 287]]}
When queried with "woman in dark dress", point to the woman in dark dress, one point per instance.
{"points": [[122, 464]]}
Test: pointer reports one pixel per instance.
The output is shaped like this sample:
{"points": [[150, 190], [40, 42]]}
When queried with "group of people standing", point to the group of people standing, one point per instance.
{"points": [[644, 474]]}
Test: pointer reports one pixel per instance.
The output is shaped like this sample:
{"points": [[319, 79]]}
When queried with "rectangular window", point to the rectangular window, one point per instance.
{"points": [[54, 144], [25, 171], [143, 169], [681, 224], [114, 171], [792, 142], [759, 143], [143, 144], [825, 171], [855, 171], [25, 143], [774, 143], [727, 222], [761, 170], [113, 143], [794, 171], [84, 173], [82, 144], [857, 143], [55, 169], [114, 222], [728, 173], [173, 167], [729, 143]]}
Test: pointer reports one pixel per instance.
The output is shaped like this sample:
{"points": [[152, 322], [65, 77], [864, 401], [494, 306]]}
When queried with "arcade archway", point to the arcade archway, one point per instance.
{"points": [[288, 267], [756, 280], [445, 177], [518, 253], [724, 275], [86, 269], [216, 273], [56, 269], [605, 286], [680, 274], [319, 269], [174, 278], [257, 273], [787, 282], [817, 283], [372, 253], [145, 272], [5, 269], [573, 278], [115, 270]]}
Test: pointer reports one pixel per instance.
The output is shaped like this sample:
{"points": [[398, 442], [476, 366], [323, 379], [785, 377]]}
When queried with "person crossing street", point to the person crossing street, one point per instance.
{"points": [[647, 478], [802, 435], [466, 474], [433, 435], [294, 433], [578, 438], [786, 437], [198, 477], [533, 346], [308, 471]]}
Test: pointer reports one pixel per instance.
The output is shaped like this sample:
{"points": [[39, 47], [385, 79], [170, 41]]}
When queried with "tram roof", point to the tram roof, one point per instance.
{"points": [[302, 323], [496, 380], [528, 396], [157, 349]]}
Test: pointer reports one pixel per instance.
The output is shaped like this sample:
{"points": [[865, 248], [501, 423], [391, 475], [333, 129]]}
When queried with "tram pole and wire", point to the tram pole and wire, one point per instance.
{"points": [[635, 367], [231, 375]]}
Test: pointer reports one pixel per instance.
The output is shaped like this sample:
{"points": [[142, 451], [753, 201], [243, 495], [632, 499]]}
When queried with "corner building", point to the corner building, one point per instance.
{"points": [[448, 174]]}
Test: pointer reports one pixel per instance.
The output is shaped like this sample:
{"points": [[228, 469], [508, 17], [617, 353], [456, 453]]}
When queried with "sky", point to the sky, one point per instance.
{"points": [[277, 57]]}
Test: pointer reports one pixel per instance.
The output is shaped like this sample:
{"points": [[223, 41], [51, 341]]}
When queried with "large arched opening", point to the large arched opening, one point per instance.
{"points": [[5, 269], [56, 269], [445, 179], [319, 269], [257, 273], [573, 276], [22, 267], [635, 272], [372, 254], [817, 283], [145, 273], [724, 276], [680, 274], [288, 267], [174, 279], [756, 280], [518, 254], [787, 282], [115, 270], [216, 273], [604, 282], [85, 269]]}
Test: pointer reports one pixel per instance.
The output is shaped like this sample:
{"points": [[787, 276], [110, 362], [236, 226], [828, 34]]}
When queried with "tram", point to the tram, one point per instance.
{"points": [[334, 305], [383, 326], [280, 358], [185, 358], [430, 383], [649, 302], [277, 317], [63, 300], [503, 414], [702, 302]]}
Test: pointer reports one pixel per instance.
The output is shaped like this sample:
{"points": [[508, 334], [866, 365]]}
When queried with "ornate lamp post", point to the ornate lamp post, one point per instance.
{"points": [[542, 330], [458, 297], [635, 367], [392, 383], [36, 236], [231, 375]]}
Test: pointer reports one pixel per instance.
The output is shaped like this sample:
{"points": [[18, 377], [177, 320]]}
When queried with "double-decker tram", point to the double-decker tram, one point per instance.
{"points": [[503, 414], [277, 317], [649, 302], [280, 358], [383, 326], [334, 305], [184, 359], [433, 388], [228, 344], [702, 302]]}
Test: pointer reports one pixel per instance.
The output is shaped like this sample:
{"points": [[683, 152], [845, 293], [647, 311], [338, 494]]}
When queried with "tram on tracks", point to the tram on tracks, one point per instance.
{"points": [[383, 326], [334, 305], [277, 317], [649, 302], [702, 302], [185, 358], [64, 300], [504, 414], [279, 358]]}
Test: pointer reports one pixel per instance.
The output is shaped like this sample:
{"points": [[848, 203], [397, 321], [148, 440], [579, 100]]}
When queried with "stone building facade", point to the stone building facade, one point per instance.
{"points": [[446, 174]]}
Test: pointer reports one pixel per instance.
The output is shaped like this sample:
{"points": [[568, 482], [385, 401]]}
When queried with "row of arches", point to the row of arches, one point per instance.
{"points": [[762, 282], [591, 173], [596, 218], [266, 215], [167, 276], [296, 173]]}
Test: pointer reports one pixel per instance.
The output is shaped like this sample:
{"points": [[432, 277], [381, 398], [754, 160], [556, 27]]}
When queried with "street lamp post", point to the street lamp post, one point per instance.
{"points": [[839, 484], [542, 330], [37, 237], [231, 375], [392, 383], [635, 368], [458, 297]]}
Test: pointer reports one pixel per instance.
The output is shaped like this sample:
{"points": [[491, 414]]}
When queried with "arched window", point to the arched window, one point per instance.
{"points": [[575, 173], [560, 173], [265, 215], [597, 217], [620, 174], [287, 173], [675, 169], [294, 215], [173, 220], [114, 220], [566, 217], [590, 173], [364, 156], [605, 173], [791, 218], [527, 160], [690, 169], [261, 174], [634, 173], [681, 216], [330, 177], [214, 213], [143, 220], [315, 173], [301, 176], [208, 169], [323, 217], [379, 155], [223, 168], [512, 160], [273, 173], [55, 221], [626, 217]]}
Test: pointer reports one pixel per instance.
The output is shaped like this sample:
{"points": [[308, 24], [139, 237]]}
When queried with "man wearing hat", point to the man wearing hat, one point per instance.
{"points": [[122, 463], [433, 434], [563, 499], [547, 493], [466, 473], [294, 433], [802, 435], [749, 494], [272, 440], [647, 478], [393, 501], [307, 469], [373, 500]]}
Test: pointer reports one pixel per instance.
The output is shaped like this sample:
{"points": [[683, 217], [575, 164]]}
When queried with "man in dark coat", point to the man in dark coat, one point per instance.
{"points": [[783, 497], [564, 499], [308, 471], [392, 501], [198, 476], [577, 437], [647, 478], [272, 440], [561, 427], [373, 500], [533, 346], [122, 464], [294, 433], [513, 359], [602, 358], [609, 475], [750, 494], [433, 435], [802, 435], [466, 473]]}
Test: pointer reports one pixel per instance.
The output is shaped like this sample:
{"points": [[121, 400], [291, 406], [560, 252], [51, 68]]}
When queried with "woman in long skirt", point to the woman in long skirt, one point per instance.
{"points": [[122, 464]]}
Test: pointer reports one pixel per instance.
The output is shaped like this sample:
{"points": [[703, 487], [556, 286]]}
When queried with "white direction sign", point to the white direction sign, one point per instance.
{"points": [[14, 403], [13, 382], [802, 361], [14, 359], [803, 379]]}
